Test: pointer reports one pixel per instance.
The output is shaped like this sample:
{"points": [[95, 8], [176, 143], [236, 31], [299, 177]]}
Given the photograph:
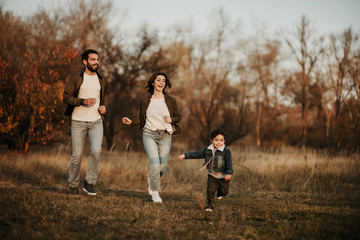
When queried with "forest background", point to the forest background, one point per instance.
{"points": [[288, 99], [293, 87]]}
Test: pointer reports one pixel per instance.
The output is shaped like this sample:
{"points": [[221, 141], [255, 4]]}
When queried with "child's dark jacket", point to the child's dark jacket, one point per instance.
{"points": [[219, 162]]}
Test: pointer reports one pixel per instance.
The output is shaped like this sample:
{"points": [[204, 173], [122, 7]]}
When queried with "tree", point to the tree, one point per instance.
{"points": [[262, 63], [211, 99], [306, 55], [341, 49], [32, 85]]}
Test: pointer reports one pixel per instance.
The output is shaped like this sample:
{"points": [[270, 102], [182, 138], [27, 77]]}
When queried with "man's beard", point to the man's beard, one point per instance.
{"points": [[91, 68]]}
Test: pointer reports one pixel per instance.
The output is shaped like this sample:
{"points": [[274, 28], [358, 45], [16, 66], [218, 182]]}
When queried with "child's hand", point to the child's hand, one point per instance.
{"points": [[181, 157], [227, 177]]}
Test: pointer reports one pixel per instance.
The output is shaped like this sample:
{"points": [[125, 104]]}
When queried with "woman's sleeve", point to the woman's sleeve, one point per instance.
{"points": [[176, 117], [136, 122]]}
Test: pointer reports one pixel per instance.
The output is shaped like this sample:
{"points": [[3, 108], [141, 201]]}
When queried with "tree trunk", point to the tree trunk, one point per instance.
{"points": [[258, 124]]}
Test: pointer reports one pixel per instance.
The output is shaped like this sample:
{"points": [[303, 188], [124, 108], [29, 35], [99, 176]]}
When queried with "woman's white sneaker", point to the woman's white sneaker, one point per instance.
{"points": [[155, 197]]}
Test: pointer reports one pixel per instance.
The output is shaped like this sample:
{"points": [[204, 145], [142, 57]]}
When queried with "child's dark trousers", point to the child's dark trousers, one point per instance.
{"points": [[220, 187]]}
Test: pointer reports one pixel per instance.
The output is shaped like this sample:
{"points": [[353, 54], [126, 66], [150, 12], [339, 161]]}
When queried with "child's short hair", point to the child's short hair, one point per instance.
{"points": [[217, 132]]}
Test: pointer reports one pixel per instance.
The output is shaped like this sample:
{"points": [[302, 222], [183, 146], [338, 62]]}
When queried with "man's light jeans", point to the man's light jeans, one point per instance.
{"points": [[157, 146], [79, 131]]}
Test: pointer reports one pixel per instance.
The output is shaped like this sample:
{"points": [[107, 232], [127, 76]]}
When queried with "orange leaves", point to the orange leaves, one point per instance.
{"points": [[7, 125], [69, 54], [26, 148], [29, 112]]}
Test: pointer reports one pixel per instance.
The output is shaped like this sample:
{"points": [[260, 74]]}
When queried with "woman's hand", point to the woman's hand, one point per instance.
{"points": [[168, 119], [181, 157], [126, 121], [102, 109], [227, 177]]}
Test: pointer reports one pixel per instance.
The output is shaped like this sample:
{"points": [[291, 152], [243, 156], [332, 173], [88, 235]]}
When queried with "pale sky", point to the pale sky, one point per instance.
{"points": [[327, 16]]}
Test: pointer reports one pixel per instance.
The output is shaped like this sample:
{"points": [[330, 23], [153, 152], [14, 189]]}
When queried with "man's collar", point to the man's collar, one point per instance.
{"points": [[81, 74], [212, 148]]}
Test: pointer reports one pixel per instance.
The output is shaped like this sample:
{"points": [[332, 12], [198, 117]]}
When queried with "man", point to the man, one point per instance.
{"points": [[85, 96]]}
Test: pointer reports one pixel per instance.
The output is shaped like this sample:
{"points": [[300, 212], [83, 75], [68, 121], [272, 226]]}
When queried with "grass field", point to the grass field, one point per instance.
{"points": [[279, 194]]}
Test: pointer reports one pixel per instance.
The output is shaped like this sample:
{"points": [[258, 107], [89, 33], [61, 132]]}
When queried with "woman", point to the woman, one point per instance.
{"points": [[159, 116]]}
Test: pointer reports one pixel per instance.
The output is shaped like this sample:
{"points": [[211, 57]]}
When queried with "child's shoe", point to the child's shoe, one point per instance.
{"points": [[218, 196], [209, 208]]}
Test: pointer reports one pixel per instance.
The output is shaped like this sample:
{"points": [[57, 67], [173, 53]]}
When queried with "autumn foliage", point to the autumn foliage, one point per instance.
{"points": [[32, 99], [297, 88]]}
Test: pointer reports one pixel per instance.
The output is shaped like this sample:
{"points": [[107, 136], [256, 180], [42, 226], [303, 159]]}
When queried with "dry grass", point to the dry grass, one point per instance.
{"points": [[282, 194]]}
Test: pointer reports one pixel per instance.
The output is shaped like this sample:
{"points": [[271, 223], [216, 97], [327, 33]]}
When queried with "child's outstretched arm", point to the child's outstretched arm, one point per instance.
{"points": [[193, 155]]}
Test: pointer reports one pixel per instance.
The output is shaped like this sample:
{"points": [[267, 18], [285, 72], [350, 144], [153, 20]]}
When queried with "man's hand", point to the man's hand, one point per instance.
{"points": [[90, 101], [227, 177], [102, 109], [181, 157], [126, 121]]}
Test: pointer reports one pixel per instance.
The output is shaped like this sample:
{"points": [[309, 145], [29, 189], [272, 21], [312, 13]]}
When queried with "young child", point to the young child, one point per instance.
{"points": [[219, 164]]}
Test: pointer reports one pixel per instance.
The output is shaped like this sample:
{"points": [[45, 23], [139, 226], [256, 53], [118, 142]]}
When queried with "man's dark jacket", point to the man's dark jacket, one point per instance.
{"points": [[71, 92]]}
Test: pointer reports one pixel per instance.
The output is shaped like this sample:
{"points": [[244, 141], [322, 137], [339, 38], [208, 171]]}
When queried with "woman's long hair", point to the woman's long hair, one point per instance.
{"points": [[151, 80]]}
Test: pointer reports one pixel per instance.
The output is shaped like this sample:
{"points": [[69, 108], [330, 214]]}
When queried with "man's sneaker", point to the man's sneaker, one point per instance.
{"points": [[89, 189], [149, 189], [209, 208], [155, 197], [220, 197], [74, 191]]}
